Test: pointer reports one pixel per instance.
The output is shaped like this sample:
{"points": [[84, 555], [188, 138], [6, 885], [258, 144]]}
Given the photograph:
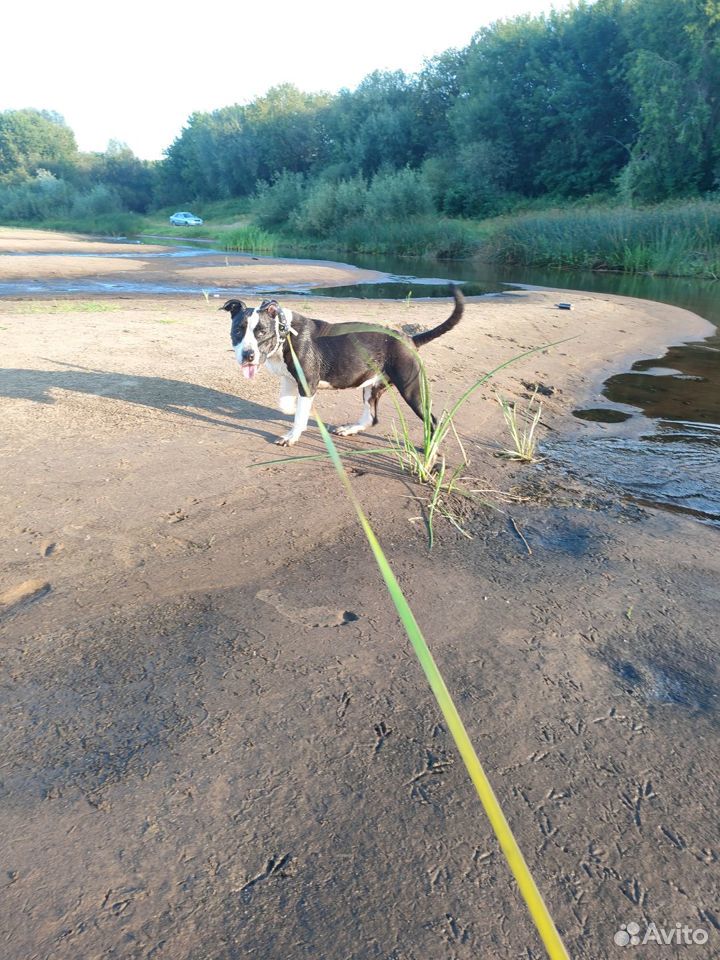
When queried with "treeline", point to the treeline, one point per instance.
{"points": [[615, 100], [45, 178], [617, 97]]}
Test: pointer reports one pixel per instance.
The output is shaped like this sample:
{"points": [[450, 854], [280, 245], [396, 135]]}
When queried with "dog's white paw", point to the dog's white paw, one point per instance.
{"points": [[348, 429], [287, 439]]}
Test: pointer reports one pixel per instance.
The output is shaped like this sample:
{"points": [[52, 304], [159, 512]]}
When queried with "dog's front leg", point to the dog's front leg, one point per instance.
{"points": [[302, 413], [288, 395]]}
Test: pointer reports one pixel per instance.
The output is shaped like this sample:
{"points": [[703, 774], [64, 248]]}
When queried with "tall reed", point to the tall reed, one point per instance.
{"points": [[673, 240]]}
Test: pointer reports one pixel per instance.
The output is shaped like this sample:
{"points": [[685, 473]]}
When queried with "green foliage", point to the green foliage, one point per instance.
{"points": [[328, 206], [273, 204], [33, 140], [619, 98], [37, 199], [398, 195], [678, 239], [428, 237], [226, 152], [522, 426], [56, 204], [674, 78], [249, 239]]}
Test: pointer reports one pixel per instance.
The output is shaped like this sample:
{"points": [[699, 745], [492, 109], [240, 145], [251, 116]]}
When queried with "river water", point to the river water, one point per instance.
{"points": [[655, 432]]}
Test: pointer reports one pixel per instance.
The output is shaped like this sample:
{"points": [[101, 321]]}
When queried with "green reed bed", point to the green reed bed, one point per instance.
{"points": [[674, 240], [249, 239]]}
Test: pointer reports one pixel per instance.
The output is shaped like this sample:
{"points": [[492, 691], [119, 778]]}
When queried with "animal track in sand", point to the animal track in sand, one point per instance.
{"points": [[48, 548], [24, 592], [307, 616]]}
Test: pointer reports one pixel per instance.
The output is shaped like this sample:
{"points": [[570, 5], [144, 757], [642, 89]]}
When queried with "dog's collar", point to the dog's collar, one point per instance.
{"points": [[283, 329]]}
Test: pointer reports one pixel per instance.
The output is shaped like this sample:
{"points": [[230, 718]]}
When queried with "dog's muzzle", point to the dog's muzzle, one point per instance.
{"points": [[249, 362]]}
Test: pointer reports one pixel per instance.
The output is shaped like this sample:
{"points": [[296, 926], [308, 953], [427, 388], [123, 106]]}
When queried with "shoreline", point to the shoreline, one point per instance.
{"points": [[665, 326]]}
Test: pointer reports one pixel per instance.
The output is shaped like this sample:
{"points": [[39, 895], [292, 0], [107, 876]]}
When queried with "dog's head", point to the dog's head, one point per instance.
{"points": [[253, 333]]}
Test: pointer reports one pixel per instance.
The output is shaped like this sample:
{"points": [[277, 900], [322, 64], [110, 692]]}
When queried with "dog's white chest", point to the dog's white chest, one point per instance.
{"points": [[276, 367]]}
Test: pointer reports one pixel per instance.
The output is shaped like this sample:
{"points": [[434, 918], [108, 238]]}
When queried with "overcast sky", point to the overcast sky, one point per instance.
{"points": [[135, 71]]}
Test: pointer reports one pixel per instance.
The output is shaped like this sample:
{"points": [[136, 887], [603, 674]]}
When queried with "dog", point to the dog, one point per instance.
{"points": [[334, 355]]}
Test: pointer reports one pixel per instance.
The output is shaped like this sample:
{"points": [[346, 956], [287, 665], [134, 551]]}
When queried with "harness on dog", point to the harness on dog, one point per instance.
{"points": [[283, 328]]}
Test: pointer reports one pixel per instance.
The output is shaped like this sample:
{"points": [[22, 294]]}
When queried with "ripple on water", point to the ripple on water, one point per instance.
{"points": [[676, 466]]}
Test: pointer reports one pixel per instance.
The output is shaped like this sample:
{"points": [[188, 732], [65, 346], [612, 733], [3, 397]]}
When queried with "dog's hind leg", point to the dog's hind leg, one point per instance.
{"points": [[376, 392], [410, 392], [367, 417]]}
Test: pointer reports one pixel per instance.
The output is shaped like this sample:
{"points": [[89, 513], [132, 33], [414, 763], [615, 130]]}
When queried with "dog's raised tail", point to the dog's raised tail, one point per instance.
{"points": [[420, 339]]}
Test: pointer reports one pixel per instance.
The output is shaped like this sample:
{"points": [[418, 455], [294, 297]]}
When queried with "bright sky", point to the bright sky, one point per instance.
{"points": [[135, 71]]}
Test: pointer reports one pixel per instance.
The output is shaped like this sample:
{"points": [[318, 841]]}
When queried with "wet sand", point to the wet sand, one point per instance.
{"points": [[42, 257], [217, 741]]}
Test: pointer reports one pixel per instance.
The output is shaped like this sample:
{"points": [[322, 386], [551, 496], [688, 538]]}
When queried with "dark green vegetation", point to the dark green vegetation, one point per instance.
{"points": [[603, 111]]}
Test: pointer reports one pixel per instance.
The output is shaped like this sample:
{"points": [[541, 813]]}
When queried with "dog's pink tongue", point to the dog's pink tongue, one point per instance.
{"points": [[249, 370]]}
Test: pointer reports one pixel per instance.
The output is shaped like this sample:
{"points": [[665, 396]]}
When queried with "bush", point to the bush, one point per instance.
{"points": [[101, 199], [37, 199], [329, 206], [274, 203], [398, 195], [48, 200]]}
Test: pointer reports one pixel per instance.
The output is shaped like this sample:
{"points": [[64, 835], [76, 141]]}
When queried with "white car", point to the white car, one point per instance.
{"points": [[185, 219]]}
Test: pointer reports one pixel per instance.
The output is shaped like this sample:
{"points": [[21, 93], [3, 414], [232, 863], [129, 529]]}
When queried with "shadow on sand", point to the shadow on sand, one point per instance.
{"points": [[178, 397]]}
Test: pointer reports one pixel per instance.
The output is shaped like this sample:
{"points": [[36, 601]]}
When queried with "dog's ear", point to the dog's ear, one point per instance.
{"points": [[271, 307], [233, 306]]}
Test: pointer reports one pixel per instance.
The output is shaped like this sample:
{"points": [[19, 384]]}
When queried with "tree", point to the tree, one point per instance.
{"points": [[674, 77], [33, 140], [548, 95]]}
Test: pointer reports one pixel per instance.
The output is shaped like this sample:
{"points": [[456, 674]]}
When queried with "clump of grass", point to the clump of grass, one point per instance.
{"points": [[69, 306], [427, 464], [250, 239], [522, 425]]}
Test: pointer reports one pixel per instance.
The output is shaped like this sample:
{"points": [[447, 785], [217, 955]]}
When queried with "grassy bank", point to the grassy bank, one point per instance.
{"points": [[681, 240]]}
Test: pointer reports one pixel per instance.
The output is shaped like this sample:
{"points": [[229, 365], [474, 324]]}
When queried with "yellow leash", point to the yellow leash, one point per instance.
{"points": [[508, 844]]}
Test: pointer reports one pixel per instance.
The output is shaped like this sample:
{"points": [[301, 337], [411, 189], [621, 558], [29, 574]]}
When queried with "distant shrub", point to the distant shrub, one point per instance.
{"points": [[328, 206], [274, 203], [398, 195], [48, 200], [474, 182], [36, 199], [99, 200]]}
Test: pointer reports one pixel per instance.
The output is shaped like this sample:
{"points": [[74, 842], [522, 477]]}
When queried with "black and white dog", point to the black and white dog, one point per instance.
{"points": [[330, 355]]}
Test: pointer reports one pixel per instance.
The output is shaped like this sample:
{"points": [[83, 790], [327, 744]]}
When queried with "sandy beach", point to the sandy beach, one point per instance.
{"points": [[217, 740]]}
